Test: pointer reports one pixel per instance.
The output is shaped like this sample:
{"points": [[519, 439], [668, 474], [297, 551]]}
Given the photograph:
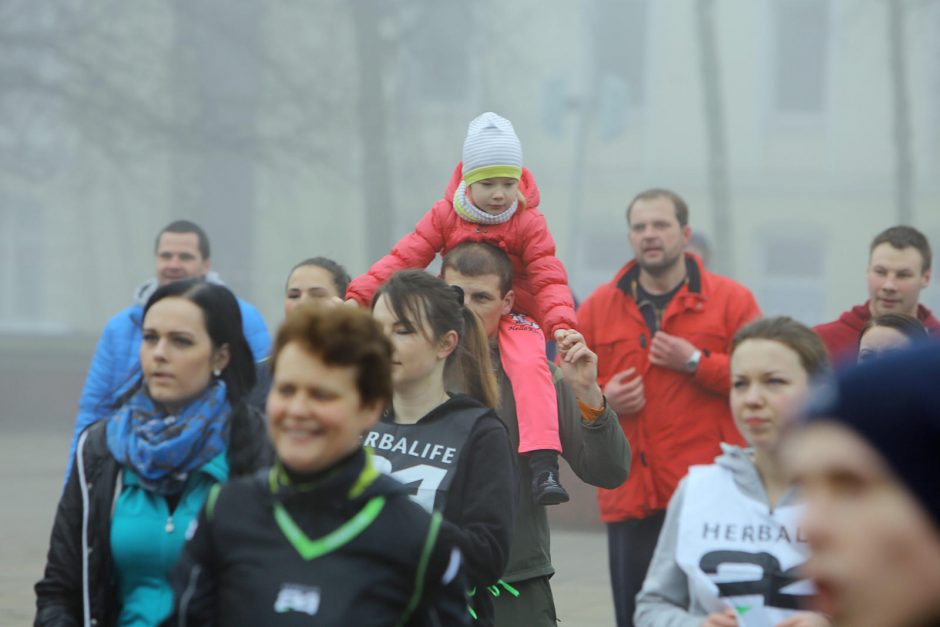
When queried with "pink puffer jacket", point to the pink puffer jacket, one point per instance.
{"points": [[540, 281]]}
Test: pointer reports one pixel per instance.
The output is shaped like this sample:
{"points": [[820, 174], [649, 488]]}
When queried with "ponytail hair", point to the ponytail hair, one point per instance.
{"points": [[473, 365], [434, 309]]}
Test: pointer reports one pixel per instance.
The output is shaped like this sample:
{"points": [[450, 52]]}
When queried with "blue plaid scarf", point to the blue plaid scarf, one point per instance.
{"points": [[163, 449]]}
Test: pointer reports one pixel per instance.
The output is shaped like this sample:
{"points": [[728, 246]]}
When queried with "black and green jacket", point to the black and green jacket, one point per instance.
{"points": [[349, 548]]}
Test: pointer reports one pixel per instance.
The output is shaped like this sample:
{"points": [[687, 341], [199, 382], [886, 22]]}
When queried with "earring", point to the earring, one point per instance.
{"points": [[217, 372]]}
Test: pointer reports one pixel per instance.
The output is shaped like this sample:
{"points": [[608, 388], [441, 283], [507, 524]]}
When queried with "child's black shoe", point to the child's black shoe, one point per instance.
{"points": [[546, 490]]}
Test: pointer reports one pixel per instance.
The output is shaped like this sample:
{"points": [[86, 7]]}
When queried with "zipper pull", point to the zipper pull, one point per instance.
{"points": [[169, 524]]}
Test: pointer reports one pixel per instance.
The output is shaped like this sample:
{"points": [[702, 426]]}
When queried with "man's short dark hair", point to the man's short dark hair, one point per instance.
{"points": [[901, 237], [185, 226], [682, 209], [475, 259]]}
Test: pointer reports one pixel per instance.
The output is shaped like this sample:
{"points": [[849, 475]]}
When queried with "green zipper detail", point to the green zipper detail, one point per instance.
{"points": [[312, 549], [429, 542], [368, 474], [366, 477], [210, 501]]}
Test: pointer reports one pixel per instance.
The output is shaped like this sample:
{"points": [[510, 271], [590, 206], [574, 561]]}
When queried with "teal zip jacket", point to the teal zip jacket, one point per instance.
{"points": [[147, 539]]}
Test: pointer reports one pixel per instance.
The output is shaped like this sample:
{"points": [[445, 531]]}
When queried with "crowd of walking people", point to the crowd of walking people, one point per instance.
{"points": [[388, 459]]}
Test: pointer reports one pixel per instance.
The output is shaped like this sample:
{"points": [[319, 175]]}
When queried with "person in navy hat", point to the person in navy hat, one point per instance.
{"points": [[868, 461]]}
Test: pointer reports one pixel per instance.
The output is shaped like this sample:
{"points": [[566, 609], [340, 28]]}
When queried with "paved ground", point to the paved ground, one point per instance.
{"points": [[32, 462]]}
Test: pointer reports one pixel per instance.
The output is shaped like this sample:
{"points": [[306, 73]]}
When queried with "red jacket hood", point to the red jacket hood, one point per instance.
{"points": [[857, 316], [526, 185], [930, 321]]}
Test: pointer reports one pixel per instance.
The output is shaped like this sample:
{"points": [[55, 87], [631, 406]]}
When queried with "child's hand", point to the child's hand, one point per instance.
{"points": [[565, 339], [571, 346], [351, 302]]}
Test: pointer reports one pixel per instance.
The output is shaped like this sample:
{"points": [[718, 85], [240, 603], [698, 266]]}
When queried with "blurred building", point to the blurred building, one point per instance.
{"points": [[328, 128]]}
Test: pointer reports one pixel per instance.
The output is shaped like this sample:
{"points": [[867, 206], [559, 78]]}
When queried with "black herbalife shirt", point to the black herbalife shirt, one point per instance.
{"points": [[458, 460], [424, 456]]}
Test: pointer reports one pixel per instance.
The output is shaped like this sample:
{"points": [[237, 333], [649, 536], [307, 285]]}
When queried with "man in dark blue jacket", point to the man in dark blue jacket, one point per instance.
{"points": [[182, 252]]}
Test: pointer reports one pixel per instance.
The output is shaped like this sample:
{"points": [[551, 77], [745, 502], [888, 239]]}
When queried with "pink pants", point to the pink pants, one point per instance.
{"points": [[522, 352]]}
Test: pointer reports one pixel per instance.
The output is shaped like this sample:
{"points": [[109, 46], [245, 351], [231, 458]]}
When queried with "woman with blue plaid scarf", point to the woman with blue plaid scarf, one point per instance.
{"points": [[141, 476]]}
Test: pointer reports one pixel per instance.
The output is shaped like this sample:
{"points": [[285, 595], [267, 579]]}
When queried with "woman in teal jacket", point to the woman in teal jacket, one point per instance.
{"points": [[140, 477]]}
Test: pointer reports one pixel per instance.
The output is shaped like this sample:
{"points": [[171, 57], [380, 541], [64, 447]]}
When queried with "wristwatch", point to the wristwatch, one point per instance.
{"points": [[692, 365]]}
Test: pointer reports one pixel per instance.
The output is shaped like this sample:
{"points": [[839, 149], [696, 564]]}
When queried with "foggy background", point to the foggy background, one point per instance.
{"points": [[795, 129]]}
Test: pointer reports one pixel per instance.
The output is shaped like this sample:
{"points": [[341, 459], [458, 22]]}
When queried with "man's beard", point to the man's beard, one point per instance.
{"points": [[659, 268]]}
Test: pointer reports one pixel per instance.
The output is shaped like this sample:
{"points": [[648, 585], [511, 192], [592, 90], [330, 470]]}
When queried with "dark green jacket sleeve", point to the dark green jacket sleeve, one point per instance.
{"points": [[597, 451]]}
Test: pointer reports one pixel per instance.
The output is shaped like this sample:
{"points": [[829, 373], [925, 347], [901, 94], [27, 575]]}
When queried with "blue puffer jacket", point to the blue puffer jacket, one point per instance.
{"points": [[116, 362]]}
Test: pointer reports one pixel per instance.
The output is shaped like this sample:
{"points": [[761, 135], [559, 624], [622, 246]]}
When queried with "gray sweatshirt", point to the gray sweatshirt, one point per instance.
{"points": [[664, 600]]}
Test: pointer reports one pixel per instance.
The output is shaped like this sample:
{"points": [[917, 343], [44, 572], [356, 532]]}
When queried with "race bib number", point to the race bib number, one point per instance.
{"points": [[422, 480], [755, 587]]}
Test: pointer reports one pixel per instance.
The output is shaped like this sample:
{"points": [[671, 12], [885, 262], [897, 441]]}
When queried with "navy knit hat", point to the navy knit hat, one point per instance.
{"points": [[894, 404]]}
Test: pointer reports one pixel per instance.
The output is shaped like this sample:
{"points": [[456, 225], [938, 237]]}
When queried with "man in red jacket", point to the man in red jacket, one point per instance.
{"points": [[898, 269], [662, 331]]}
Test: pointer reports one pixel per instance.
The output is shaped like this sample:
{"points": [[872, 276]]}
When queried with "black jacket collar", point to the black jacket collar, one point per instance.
{"points": [[630, 279]]}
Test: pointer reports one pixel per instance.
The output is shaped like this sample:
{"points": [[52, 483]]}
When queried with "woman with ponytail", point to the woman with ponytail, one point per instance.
{"points": [[441, 436]]}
